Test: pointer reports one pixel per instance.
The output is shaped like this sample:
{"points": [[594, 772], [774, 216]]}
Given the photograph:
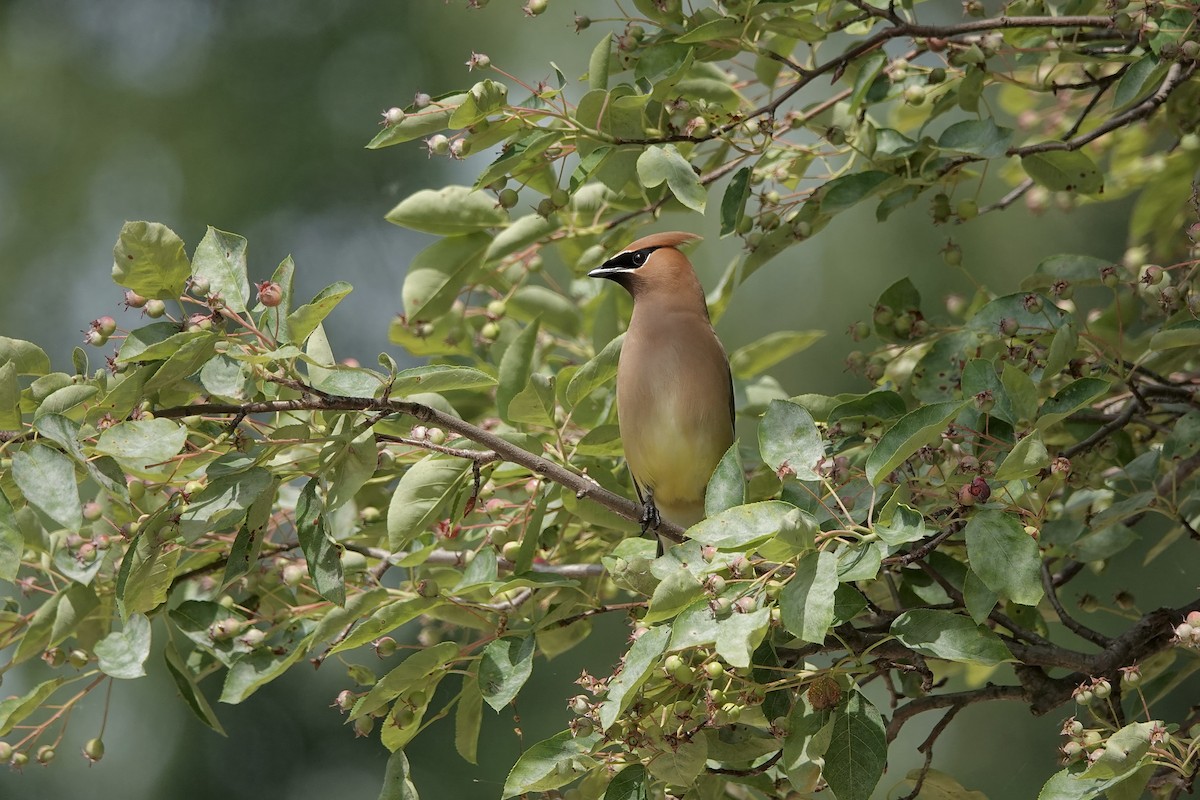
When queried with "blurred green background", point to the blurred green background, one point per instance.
{"points": [[251, 117]]}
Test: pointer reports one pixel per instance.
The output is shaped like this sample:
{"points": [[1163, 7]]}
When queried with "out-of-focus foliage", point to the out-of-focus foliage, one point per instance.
{"points": [[224, 482]]}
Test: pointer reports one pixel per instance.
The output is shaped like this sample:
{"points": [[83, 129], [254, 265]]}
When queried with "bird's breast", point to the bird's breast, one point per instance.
{"points": [[673, 399]]}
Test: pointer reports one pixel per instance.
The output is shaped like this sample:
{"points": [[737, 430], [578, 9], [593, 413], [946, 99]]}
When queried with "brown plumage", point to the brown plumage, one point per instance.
{"points": [[674, 391]]}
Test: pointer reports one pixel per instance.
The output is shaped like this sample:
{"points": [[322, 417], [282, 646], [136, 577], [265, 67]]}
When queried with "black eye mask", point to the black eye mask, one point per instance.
{"points": [[631, 259]]}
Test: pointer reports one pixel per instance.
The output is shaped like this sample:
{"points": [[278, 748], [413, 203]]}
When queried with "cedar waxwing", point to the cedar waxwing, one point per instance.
{"points": [[674, 389]]}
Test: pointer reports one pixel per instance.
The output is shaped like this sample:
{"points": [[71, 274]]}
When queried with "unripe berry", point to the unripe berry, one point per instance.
{"points": [[438, 144], [133, 299], [155, 308], [715, 670], [967, 209], [18, 760], [95, 338], [489, 332], [535, 8], [428, 588], [270, 294], [1151, 275], [393, 116], [385, 646], [1102, 689], [508, 198], [293, 574], [511, 550], [365, 724], [672, 663], [546, 207], [46, 754], [93, 749], [107, 326], [6, 752], [560, 197], [915, 94]]}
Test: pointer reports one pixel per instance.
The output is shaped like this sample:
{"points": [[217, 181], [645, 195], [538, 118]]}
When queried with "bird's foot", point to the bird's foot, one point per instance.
{"points": [[651, 519]]}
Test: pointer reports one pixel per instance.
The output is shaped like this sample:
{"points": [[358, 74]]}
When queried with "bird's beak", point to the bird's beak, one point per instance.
{"points": [[611, 269]]}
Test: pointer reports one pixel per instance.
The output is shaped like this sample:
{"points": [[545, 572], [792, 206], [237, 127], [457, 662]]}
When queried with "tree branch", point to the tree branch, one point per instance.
{"points": [[315, 400]]}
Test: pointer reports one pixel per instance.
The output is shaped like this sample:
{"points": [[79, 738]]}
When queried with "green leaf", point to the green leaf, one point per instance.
{"points": [[1064, 171], [504, 667], [940, 786], [639, 663], [788, 438], [421, 496], [1027, 458], [733, 202], [28, 358], [397, 780], [556, 312], [1123, 752], [598, 63], [515, 367], [323, 554], [659, 163], [535, 403], [384, 620], [223, 501], [122, 654], [597, 372], [145, 575], [1062, 350], [250, 673], [1186, 334], [981, 137], [1142, 75], [439, 272], [1065, 785], [727, 486], [1004, 556], [189, 690], [47, 480], [12, 543], [741, 527], [629, 784], [523, 232], [349, 465], [979, 599], [806, 601], [220, 258], [912, 432], [681, 764], [484, 98], [970, 89], [438, 378], [673, 594], [10, 398], [747, 362], [546, 765], [857, 751], [408, 675], [15, 709], [845, 191], [420, 122], [142, 446], [304, 320], [739, 635], [1021, 391], [149, 259], [943, 634], [1071, 398], [905, 525], [468, 717], [449, 211]]}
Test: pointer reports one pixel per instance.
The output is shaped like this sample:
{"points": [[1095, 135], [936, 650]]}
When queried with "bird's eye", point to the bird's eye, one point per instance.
{"points": [[639, 258]]}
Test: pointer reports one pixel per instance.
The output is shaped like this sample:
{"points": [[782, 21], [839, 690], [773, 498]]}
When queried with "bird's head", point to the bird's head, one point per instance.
{"points": [[652, 264]]}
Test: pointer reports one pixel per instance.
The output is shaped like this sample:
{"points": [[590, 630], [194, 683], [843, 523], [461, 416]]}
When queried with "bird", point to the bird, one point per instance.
{"points": [[674, 388]]}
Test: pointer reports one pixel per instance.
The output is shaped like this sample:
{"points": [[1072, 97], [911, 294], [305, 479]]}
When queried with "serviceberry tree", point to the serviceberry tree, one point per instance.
{"points": [[225, 490]]}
